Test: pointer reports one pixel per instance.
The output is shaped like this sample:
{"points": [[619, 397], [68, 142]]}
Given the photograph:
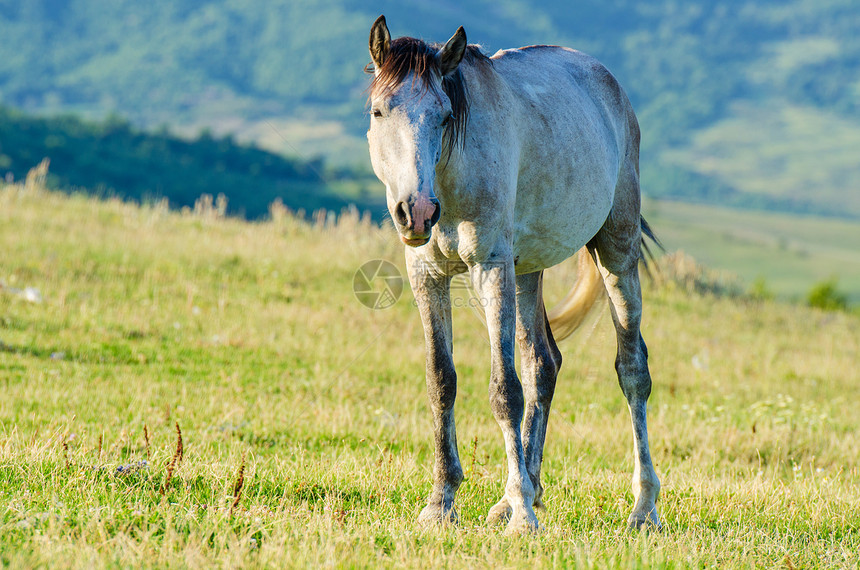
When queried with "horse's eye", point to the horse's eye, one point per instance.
{"points": [[377, 113]]}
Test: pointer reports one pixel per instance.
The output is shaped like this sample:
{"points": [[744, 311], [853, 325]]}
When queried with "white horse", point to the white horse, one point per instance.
{"points": [[502, 167]]}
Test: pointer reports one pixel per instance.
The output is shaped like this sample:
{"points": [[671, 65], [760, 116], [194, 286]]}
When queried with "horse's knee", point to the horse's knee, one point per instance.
{"points": [[539, 378], [441, 384], [506, 396]]}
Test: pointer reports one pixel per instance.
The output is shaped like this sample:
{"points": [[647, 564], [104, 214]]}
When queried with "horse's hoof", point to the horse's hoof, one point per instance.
{"points": [[500, 513], [649, 521], [522, 523], [435, 515]]}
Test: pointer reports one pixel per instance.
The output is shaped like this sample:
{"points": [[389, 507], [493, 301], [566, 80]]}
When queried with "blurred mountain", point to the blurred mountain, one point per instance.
{"points": [[111, 158], [743, 103]]}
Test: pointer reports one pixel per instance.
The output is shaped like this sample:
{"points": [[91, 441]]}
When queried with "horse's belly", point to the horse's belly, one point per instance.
{"points": [[565, 190], [544, 237]]}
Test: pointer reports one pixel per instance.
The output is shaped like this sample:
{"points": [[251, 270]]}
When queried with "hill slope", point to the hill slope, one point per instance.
{"points": [[728, 81]]}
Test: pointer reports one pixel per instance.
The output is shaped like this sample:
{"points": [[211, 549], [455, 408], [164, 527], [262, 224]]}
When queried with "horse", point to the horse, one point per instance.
{"points": [[502, 167]]}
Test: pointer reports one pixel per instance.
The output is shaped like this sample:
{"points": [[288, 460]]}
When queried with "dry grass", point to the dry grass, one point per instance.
{"points": [[248, 335]]}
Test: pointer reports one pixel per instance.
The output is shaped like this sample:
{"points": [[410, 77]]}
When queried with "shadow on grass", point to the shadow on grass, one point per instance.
{"points": [[103, 354], [36, 352]]}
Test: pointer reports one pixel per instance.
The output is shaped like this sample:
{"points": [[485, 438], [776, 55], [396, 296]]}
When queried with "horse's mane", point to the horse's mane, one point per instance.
{"points": [[411, 55]]}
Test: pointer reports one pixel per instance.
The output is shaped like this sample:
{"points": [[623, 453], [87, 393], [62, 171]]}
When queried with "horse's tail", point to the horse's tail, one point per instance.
{"points": [[571, 312]]}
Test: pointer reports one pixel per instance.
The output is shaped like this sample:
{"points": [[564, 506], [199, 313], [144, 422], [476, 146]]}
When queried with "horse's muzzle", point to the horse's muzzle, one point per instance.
{"points": [[414, 242], [416, 217]]}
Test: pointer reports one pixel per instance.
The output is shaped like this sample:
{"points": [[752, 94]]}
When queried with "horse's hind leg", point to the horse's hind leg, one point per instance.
{"points": [[540, 361], [616, 249]]}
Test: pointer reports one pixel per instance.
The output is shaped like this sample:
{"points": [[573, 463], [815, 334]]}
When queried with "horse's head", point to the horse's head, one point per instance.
{"points": [[410, 113]]}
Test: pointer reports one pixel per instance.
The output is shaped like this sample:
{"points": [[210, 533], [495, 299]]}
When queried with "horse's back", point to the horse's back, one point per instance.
{"points": [[531, 62], [574, 128]]}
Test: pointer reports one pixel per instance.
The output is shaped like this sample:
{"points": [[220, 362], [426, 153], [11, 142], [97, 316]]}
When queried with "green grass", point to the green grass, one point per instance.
{"points": [[249, 337]]}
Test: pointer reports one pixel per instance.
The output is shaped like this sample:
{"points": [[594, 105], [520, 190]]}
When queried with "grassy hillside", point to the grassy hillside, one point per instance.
{"points": [[777, 156], [248, 338], [787, 254], [739, 100]]}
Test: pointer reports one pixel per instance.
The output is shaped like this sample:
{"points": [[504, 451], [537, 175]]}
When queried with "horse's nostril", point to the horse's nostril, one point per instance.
{"points": [[437, 213], [401, 213]]}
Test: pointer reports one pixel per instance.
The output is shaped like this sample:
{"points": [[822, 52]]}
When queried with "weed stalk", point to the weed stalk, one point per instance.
{"points": [[174, 461], [238, 486]]}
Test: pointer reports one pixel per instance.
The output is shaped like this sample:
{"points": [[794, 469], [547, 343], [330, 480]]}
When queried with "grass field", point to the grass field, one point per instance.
{"points": [[248, 338]]}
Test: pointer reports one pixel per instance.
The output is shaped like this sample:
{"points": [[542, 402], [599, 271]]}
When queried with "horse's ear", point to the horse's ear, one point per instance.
{"points": [[452, 52], [380, 42]]}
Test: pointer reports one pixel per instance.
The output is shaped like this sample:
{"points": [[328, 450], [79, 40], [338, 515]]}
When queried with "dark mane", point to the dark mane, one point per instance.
{"points": [[411, 55]]}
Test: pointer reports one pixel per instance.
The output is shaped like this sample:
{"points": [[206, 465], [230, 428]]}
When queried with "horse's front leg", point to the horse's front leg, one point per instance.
{"points": [[494, 282], [540, 361], [432, 294]]}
